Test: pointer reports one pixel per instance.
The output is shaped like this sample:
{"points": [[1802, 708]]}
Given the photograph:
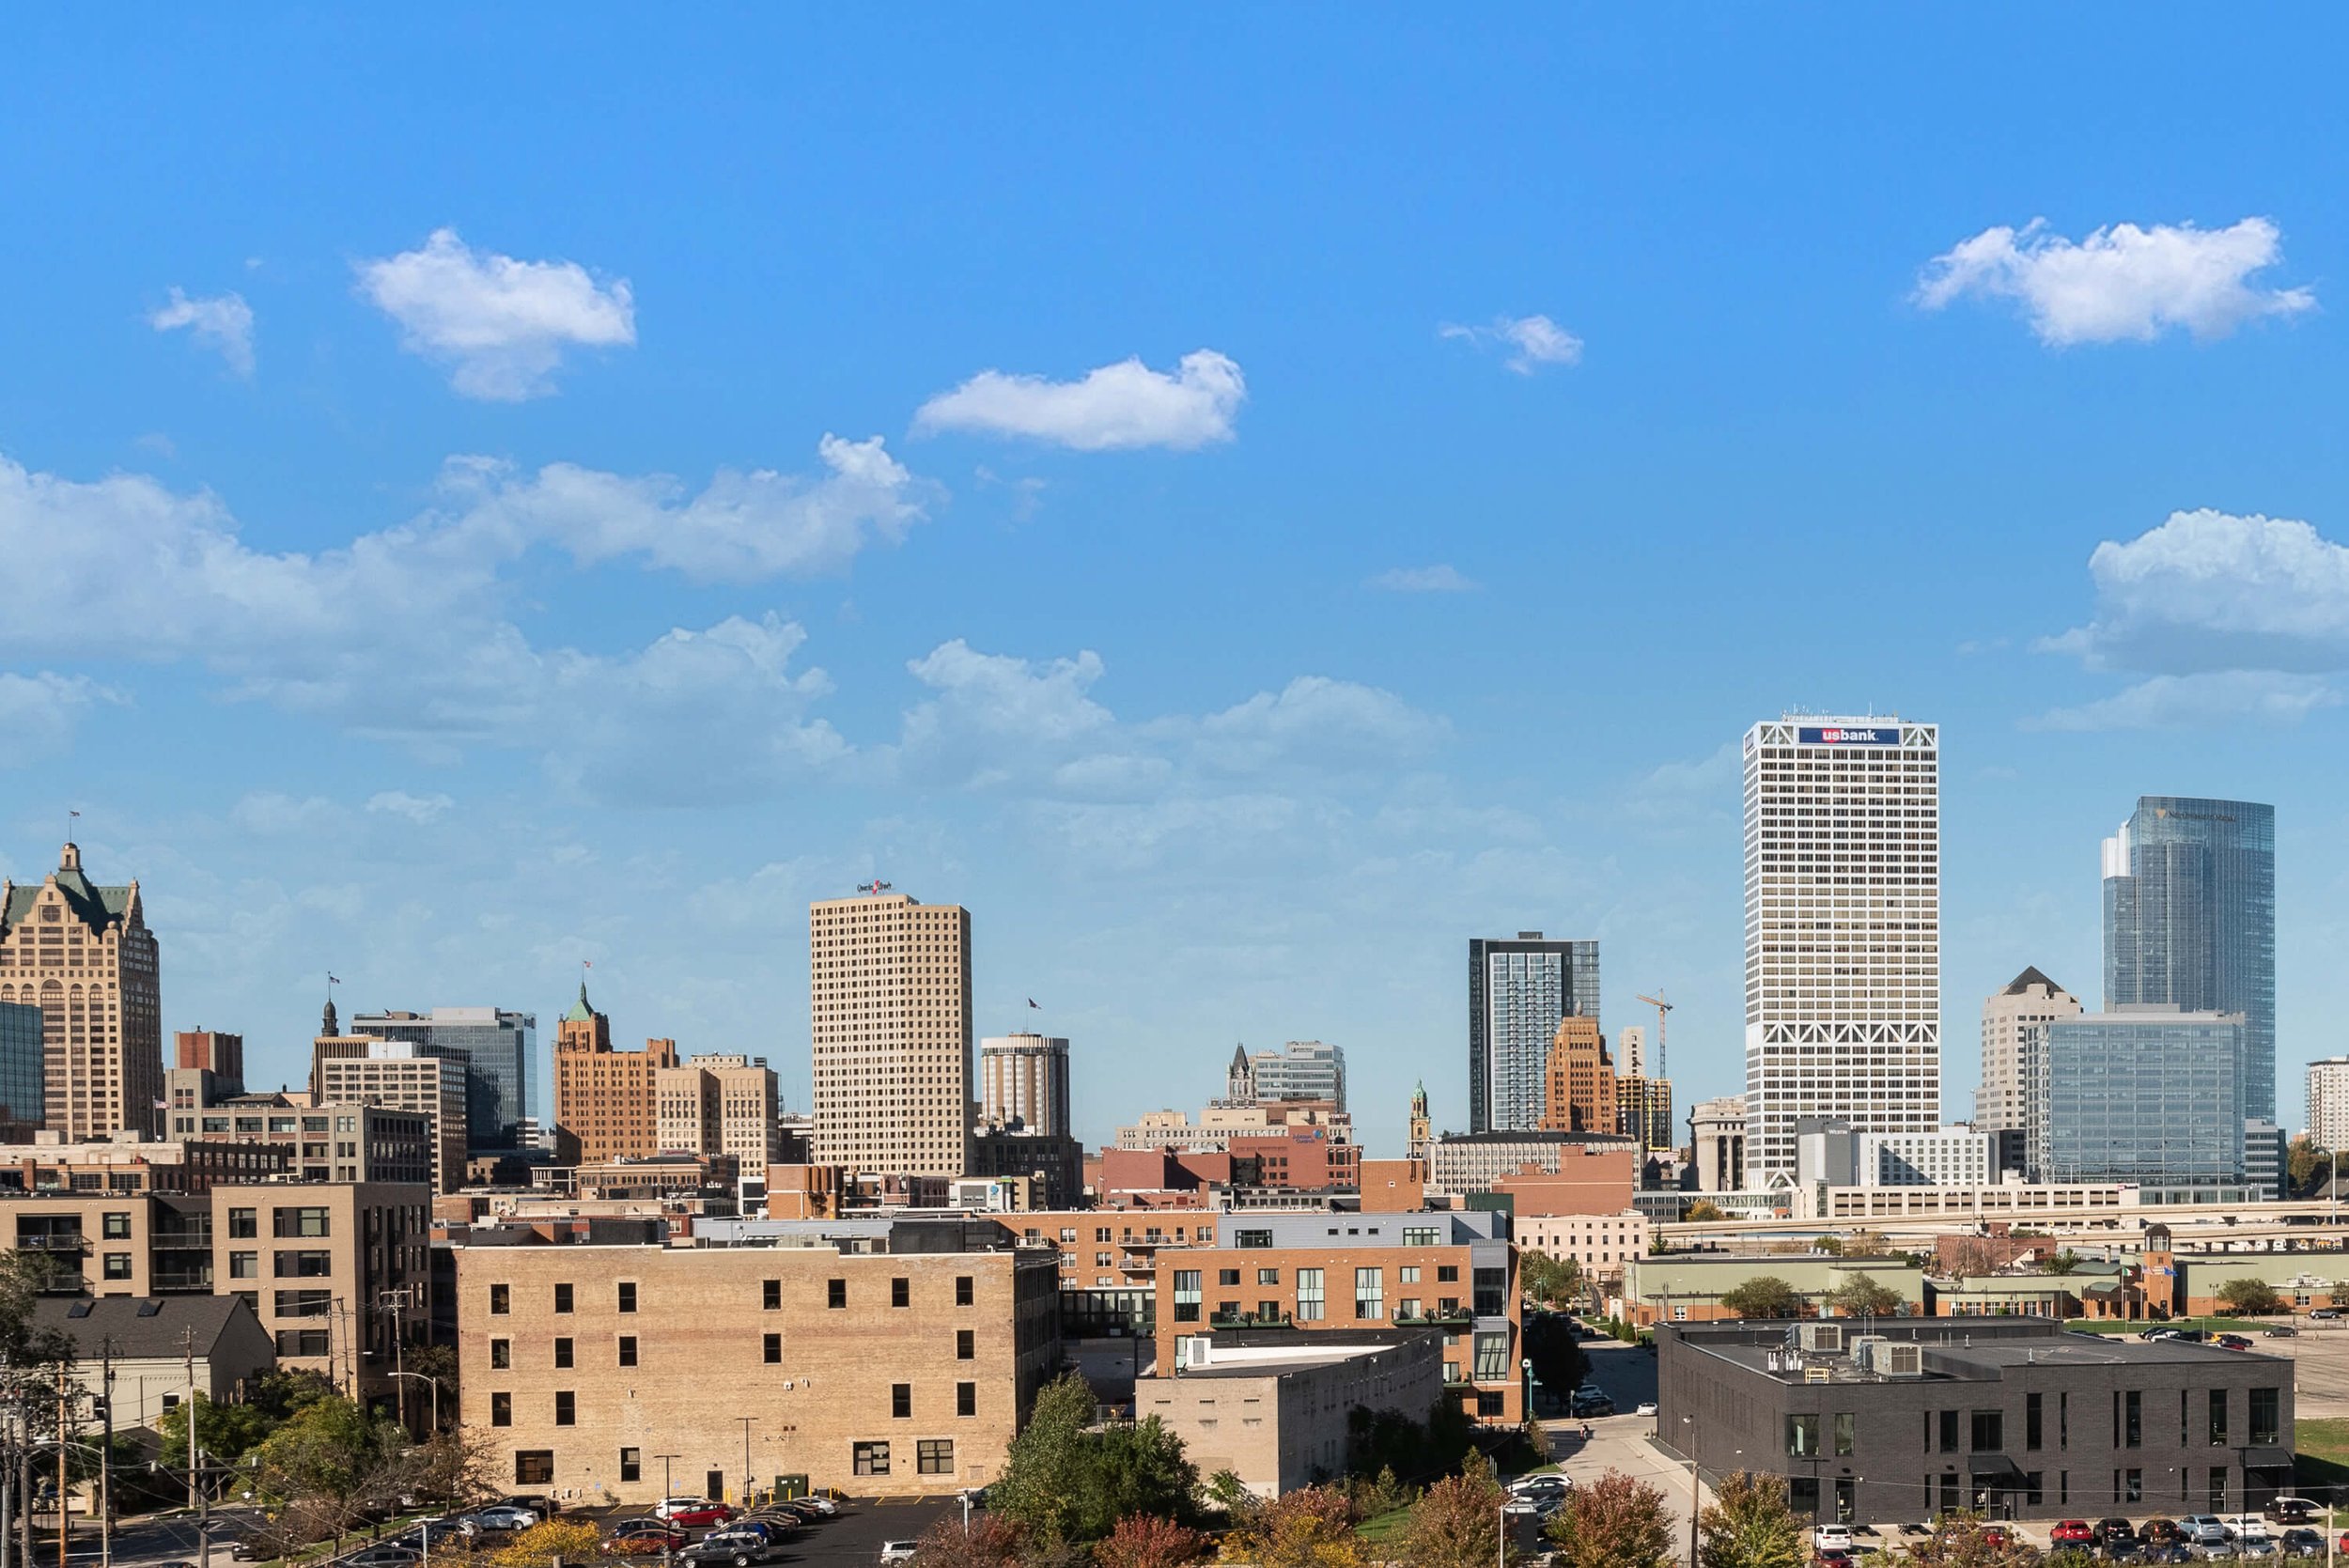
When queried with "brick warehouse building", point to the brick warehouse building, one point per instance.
{"points": [[2011, 1416], [905, 1366]]}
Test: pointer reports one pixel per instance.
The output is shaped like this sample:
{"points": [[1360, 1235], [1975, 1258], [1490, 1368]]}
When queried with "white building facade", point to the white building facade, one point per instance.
{"points": [[1955, 1157], [2329, 1102], [1843, 930]]}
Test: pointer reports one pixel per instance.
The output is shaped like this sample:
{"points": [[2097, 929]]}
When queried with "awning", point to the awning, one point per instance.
{"points": [[2267, 1457], [1993, 1467]]}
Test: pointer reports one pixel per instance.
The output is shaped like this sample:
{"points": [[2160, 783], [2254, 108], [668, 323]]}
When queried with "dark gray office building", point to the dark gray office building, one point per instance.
{"points": [[2190, 919], [501, 1052], [2012, 1416], [1518, 992]]}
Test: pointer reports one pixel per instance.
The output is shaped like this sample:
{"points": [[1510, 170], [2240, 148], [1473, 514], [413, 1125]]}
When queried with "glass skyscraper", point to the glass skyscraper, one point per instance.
{"points": [[1517, 991], [2148, 1094], [502, 1050], [22, 1059], [2190, 919]]}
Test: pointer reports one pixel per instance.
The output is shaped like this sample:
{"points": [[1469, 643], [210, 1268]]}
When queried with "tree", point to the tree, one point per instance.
{"points": [[1763, 1295], [1961, 1541], [1226, 1494], [1704, 1211], [991, 1542], [2064, 1262], [1556, 1352], [2304, 1166], [2249, 1298], [1066, 1482], [1136, 1468], [1146, 1541], [1458, 1523], [1832, 1245], [1617, 1521], [325, 1465], [1749, 1525], [541, 1543], [1310, 1527], [226, 1431], [1864, 1296], [1552, 1281]]}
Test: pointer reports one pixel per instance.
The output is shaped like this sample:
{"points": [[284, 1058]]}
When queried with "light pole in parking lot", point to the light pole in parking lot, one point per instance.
{"points": [[664, 1459], [746, 1421]]}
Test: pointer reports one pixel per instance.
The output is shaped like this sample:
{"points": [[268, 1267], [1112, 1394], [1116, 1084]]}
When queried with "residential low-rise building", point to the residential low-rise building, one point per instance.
{"points": [[1689, 1287], [1601, 1243], [134, 1162], [335, 1142], [891, 1357], [146, 1353], [1474, 1162]]}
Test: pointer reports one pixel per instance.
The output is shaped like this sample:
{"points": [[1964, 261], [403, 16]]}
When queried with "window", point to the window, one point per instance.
{"points": [[1267, 1275], [563, 1298], [870, 1458], [244, 1224], [1990, 1432], [2064, 1421], [1407, 1306], [118, 1265], [304, 1265], [501, 1409], [115, 1226], [935, 1455], [562, 1353], [500, 1355], [1370, 1295], [305, 1342], [1227, 1276], [298, 1222], [1309, 1296], [835, 1298], [2033, 1489], [533, 1468], [631, 1464], [1451, 1372], [770, 1349], [1492, 1292], [2132, 1485], [1948, 1431], [1802, 1436], [901, 1400], [627, 1295], [1845, 1421], [1187, 1295], [901, 1292], [1490, 1404], [965, 1349], [966, 1399], [1492, 1358], [1409, 1274], [964, 1295], [1447, 1274], [244, 1265], [1421, 1235], [1252, 1238], [770, 1294], [2218, 1420], [1949, 1491], [2031, 1419], [2133, 1419], [305, 1303], [628, 1350], [2218, 1488], [2267, 1417], [501, 1300], [1802, 1495]]}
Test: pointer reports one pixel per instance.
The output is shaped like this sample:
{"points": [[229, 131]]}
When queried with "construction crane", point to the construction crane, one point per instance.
{"points": [[1663, 1011]]}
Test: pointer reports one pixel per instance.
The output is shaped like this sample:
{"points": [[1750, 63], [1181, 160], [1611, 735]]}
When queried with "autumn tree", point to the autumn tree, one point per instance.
{"points": [[990, 1542], [1963, 1540], [1703, 1211], [1749, 1525], [1456, 1522], [1310, 1527], [1617, 1521], [1146, 1540], [1864, 1296], [2249, 1298], [542, 1544], [1762, 1295]]}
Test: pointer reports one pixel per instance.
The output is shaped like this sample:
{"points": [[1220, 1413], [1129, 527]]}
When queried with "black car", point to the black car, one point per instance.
{"points": [[2299, 1543], [384, 1557], [732, 1548], [2119, 1548], [2166, 1551]]}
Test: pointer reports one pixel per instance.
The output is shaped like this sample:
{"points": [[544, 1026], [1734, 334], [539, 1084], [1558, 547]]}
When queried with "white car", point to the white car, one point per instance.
{"points": [[1645, 1408], [897, 1551], [1831, 1538]]}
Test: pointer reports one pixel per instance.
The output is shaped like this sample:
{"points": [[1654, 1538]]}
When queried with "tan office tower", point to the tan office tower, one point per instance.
{"points": [[400, 1074], [605, 1097], [1580, 1092], [889, 994], [721, 1105], [2001, 1105], [1024, 1083], [82, 955]]}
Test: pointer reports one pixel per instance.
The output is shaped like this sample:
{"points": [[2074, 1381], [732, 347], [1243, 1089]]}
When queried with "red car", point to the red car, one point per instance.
{"points": [[1996, 1535], [694, 1513], [2071, 1532], [642, 1541]]}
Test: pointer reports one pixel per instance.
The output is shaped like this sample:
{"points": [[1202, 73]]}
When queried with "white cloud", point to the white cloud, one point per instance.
{"points": [[2207, 701], [2208, 590], [218, 321], [1423, 579], [501, 324], [1533, 341], [1116, 407], [421, 809], [1316, 722], [37, 712], [2120, 283]]}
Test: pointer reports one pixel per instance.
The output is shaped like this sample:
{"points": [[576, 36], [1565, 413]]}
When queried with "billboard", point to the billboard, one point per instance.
{"points": [[1846, 735]]}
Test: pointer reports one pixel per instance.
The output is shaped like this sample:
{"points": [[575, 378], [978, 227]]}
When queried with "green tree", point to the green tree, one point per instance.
{"points": [[1136, 1468], [1552, 1281], [1763, 1295], [326, 1464], [1457, 1524], [1310, 1527], [1864, 1296], [2249, 1298], [2306, 1167], [1617, 1521], [1704, 1210], [1747, 1524], [1226, 1494], [1832, 1245], [1066, 1482], [2064, 1262], [1146, 1541], [1556, 1352], [226, 1431]]}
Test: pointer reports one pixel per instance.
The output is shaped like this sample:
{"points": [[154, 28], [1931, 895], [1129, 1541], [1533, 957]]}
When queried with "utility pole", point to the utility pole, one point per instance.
{"points": [[107, 1455], [195, 1461], [65, 1514]]}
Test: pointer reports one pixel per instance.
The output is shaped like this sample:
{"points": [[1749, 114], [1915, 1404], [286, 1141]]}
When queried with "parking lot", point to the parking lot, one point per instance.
{"points": [[854, 1536]]}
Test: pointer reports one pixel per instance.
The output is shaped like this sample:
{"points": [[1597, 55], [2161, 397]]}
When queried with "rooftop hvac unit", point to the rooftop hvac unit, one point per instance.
{"points": [[1867, 1350], [1823, 1338], [1899, 1360]]}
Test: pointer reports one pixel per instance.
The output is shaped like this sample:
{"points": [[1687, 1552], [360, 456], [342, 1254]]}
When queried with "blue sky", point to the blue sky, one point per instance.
{"points": [[478, 493]]}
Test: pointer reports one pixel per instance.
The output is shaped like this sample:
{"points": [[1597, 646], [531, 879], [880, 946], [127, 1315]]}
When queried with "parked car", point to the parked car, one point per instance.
{"points": [[2243, 1526], [2121, 1548], [643, 1541], [2298, 1542], [2072, 1533], [736, 1549], [2110, 1529], [693, 1512], [2157, 1531], [1584, 1406], [2166, 1551], [2203, 1530], [1832, 1557], [2231, 1342], [1832, 1537], [2291, 1511], [897, 1551], [2324, 1314], [384, 1557], [2283, 1331], [1998, 1536], [1645, 1408]]}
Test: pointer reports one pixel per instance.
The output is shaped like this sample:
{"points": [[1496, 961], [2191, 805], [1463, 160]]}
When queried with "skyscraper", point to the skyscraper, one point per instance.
{"points": [[2329, 1103], [1023, 1082], [605, 1097], [82, 955], [2001, 1105], [2190, 919], [502, 1047], [1517, 991], [1843, 930], [1579, 1088], [1301, 1070], [889, 994], [2145, 1092]]}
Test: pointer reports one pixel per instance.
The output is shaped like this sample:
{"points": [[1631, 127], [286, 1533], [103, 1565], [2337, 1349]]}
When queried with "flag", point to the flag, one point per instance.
{"points": [[586, 963], [73, 814], [334, 980], [1031, 1004]]}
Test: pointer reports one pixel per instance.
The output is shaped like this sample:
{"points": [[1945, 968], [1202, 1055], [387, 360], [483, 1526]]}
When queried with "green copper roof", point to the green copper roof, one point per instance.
{"points": [[95, 907], [581, 1012]]}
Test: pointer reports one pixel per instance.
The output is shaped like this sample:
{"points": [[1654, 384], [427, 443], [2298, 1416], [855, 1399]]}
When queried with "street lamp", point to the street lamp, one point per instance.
{"points": [[436, 1395], [747, 1422], [664, 1459]]}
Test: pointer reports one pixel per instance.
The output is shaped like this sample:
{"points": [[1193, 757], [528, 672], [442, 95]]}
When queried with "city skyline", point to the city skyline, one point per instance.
{"points": [[1148, 538]]}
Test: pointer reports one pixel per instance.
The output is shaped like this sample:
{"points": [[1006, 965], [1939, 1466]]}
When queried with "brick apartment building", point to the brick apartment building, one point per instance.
{"points": [[879, 1357]]}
